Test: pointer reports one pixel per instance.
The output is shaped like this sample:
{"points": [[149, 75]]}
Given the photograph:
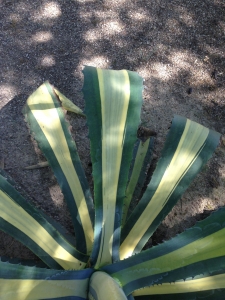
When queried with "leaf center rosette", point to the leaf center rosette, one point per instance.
{"points": [[102, 286]]}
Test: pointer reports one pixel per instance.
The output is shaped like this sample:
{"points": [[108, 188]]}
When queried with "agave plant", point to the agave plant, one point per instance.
{"points": [[107, 261]]}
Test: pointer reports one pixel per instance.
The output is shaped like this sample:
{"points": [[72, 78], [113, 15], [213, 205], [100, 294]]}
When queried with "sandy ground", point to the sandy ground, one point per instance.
{"points": [[176, 46]]}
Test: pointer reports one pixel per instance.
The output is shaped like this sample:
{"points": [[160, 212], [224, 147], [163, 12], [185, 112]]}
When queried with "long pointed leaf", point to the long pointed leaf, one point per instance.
{"points": [[208, 283], [217, 294], [50, 129], [31, 283], [24, 222], [62, 230], [68, 104], [187, 148], [113, 100], [199, 251]]}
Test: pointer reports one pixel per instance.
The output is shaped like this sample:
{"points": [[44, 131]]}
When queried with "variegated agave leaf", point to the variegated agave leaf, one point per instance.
{"points": [[188, 147], [48, 125], [113, 119]]}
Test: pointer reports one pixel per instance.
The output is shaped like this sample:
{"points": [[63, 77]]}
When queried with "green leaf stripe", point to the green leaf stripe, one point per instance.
{"points": [[130, 136], [24, 222], [181, 274], [20, 282], [62, 230], [189, 146], [50, 129], [194, 252], [141, 158], [94, 121], [114, 101], [204, 295], [206, 283]]}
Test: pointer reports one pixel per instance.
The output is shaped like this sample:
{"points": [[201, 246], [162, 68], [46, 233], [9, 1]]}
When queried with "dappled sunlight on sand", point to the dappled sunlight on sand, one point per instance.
{"points": [[50, 9], [47, 61], [98, 61], [7, 92], [42, 37]]}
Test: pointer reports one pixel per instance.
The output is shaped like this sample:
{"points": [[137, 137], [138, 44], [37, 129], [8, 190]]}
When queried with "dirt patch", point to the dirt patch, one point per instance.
{"points": [[176, 46]]}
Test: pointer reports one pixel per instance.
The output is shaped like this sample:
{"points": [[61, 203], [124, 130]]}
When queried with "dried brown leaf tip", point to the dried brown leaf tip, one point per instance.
{"points": [[144, 133]]}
